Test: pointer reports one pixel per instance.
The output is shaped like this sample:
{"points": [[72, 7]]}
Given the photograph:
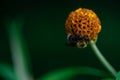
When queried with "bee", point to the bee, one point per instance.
{"points": [[77, 41]]}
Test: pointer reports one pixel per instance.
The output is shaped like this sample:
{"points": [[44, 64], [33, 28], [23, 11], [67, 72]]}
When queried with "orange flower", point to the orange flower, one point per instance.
{"points": [[82, 26]]}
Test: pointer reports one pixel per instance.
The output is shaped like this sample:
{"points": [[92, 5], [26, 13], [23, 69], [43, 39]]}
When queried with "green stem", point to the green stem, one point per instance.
{"points": [[102, 59]]}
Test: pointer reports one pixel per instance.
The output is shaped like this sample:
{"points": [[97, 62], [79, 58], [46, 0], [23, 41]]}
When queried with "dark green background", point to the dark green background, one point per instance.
{"points": [[44, 32]]}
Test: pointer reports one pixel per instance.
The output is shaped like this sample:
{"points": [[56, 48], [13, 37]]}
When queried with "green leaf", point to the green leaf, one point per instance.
{"points": [[19, 49], [6, 71], [118, 76], [68, 73]]}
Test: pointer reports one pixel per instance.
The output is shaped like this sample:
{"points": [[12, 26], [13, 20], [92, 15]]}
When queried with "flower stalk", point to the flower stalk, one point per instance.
{"points": [[102, 59]]}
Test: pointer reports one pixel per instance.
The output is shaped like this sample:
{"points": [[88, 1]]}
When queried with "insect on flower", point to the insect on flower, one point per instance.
{"points": [[82, 26]]}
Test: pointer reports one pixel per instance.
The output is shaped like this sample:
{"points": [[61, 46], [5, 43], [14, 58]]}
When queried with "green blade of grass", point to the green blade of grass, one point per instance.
{"points": [[67, 73], [7, 72], [19, 50], [118, 76]]}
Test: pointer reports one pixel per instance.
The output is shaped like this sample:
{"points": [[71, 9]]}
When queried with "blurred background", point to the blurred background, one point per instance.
{"points": [[45, 35]]}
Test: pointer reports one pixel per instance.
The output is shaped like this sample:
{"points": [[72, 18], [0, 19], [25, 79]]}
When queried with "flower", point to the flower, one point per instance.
{"points": [[82, 26]]}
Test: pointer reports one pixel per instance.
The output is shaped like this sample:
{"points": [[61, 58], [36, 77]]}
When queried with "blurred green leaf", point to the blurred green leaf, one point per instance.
{"points": [[118, 76], [19, 50], [68, 73], [6, 71]]}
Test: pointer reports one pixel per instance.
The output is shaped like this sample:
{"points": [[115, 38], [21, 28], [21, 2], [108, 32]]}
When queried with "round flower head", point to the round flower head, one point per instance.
{"points": [[82, 26]]}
